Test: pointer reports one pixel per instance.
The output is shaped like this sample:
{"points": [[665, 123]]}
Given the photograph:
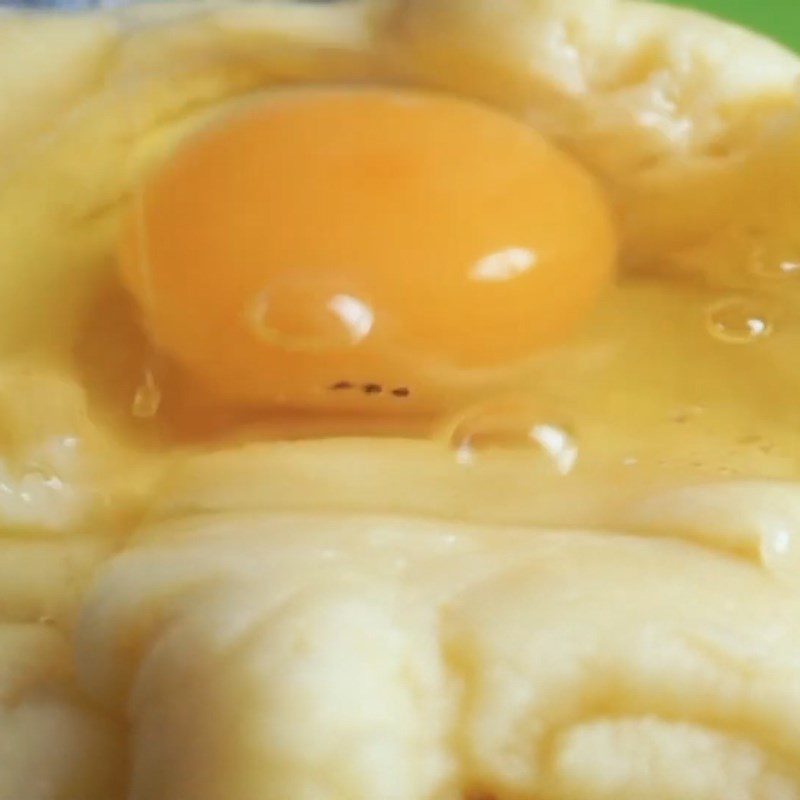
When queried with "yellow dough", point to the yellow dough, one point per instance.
{"points": [[611, 615]]}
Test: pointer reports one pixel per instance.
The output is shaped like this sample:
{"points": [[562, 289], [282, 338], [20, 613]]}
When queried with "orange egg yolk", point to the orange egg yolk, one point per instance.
{"points": [[348, 248]]}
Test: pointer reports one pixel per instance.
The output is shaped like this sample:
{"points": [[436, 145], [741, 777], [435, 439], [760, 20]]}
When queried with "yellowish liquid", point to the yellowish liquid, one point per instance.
{"points": [[659, 389], [667, 383]]}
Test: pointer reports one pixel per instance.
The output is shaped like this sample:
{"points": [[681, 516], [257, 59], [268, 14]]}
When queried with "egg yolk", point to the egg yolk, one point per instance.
{"points": [[348, 248]]}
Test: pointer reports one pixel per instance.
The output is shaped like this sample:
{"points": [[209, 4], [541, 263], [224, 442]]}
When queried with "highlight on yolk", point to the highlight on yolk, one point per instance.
{"points": [[340, 248]]}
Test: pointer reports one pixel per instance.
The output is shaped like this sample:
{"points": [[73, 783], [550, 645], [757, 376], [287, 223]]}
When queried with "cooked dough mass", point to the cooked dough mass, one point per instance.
{"points": [[584, 584]]}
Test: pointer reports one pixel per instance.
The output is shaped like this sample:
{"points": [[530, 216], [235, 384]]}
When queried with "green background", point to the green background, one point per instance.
{"points": [[777, 18]]}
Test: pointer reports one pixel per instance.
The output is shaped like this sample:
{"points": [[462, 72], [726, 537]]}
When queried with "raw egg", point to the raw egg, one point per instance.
{"points": [[346, 248]]}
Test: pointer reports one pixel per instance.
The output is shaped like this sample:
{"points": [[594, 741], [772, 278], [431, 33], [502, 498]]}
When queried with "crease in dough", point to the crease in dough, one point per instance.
{"points": [[536, 644]]}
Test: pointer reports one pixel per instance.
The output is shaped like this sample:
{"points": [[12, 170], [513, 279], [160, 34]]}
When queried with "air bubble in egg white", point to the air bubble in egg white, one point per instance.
{"points": [[739, 321], [782, 269], [516, 427], [309, 315], [767, 264]]}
